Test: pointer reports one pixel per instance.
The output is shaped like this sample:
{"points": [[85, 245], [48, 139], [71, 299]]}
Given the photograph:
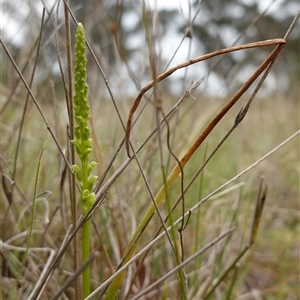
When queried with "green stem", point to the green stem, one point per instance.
{"points": [[85, 255], [85, 238], [85, 176]]}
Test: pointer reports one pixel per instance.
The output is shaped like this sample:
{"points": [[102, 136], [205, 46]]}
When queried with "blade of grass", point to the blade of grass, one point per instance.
{"points": [[187, 93], [182, 275], [32, 214], [233, 281], [174, 239]]}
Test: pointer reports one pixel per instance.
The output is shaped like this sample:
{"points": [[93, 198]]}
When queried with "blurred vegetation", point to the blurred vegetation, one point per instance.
{"points": [[115, 30]]}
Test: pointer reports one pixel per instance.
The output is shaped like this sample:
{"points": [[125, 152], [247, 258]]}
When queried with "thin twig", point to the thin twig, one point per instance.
{"points": [[69, 99], [292, 26], [13, 91], [65, 86], [27, 97]]}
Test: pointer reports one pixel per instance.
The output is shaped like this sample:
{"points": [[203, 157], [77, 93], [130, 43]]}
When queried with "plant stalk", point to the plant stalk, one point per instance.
{"points": [[85, 255]]}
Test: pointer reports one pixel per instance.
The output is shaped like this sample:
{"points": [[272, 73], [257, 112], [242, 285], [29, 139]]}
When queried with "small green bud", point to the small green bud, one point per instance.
{"points": [[91, 166], [88, 200], [92, 181], [77, 172]]}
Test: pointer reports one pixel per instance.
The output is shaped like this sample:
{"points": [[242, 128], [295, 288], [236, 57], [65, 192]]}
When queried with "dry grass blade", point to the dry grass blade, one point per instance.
{"points": [[260, 202], [167, 73], [70, 105], [239, 118], [292, 26]]}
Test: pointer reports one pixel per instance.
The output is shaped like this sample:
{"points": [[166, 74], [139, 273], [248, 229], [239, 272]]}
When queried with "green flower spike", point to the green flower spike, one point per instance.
{"points": [[83, 147], [82, 141]]}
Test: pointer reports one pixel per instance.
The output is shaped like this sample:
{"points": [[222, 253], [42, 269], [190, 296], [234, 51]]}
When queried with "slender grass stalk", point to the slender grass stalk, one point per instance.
{"points": [[173, 235], [198, 236], [233, 282], [69, 97], [32, 213], [83, 147]]}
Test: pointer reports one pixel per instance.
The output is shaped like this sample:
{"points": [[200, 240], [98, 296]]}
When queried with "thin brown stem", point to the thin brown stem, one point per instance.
{"points": [[72, 149]]}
